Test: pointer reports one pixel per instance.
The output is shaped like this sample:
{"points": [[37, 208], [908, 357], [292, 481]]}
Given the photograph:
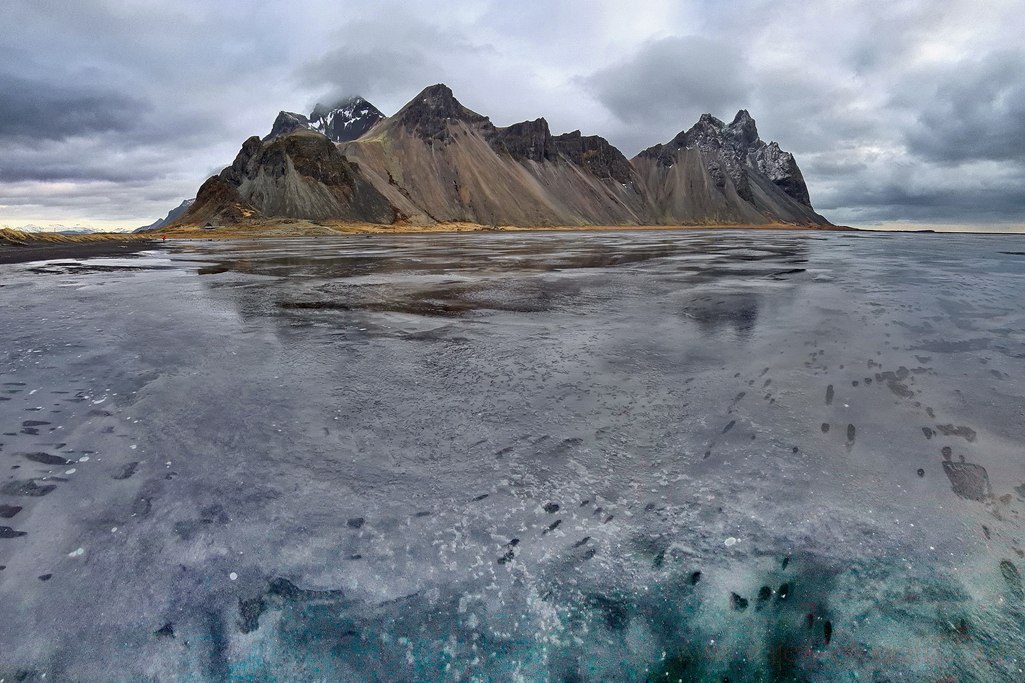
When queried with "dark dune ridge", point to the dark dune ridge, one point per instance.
{"points": [[39, 250]]}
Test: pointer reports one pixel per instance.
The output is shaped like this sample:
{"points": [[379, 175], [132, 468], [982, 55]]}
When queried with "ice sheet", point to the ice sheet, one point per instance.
{"points": [[539, 456]]}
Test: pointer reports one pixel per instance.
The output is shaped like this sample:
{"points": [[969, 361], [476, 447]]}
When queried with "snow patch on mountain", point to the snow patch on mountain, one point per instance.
{"points": [[342, 122]]}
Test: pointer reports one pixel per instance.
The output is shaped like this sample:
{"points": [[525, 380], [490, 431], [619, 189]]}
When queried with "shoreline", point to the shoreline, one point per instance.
{"points": [[22, 247], [301, 228]]}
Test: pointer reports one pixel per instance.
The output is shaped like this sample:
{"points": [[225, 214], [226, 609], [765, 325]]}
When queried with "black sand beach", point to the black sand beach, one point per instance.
{"points": [[14, 252]]}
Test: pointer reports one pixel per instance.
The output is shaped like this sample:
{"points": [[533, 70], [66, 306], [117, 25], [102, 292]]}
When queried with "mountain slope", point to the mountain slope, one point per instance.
{"points": [[171, 217], [437, 161], [723, 173], [299, 175]]}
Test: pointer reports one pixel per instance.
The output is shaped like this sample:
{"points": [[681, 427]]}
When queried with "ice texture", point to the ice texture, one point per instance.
{"points": [[699, 455]]}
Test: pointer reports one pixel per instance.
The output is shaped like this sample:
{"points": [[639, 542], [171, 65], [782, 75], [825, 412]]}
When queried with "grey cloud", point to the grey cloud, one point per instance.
{"points": [[673, 80], [390, 61], [64, 171], [986, 192], [47, 110], [811, 112], [974, 109], [347, 71]]}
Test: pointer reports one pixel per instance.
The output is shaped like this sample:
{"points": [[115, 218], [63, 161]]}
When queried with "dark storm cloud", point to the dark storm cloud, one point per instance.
{"points": [[666, 85], [974, 109], [388, 58], [47, 110], [63, 171], [899, 203], [376, 60], [667, 79], [970, 192]]}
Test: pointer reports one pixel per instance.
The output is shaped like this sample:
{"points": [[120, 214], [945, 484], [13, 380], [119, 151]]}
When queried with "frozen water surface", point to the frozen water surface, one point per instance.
{"points": [[568, 457]]}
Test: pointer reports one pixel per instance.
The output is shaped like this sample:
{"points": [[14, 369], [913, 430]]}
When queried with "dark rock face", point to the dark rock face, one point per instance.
{"points": [[735, 151], [297, 175], [288, 122], [218, 201], [267, 175], [742, 132], [311, 156], [239, 168], [595, 154], [531, 140], [347, 120], [429, 113], [781, 168]]}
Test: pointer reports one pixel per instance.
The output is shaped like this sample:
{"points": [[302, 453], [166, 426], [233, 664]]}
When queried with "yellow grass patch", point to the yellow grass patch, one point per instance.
{"points": [[304, 228], [19, 237]]}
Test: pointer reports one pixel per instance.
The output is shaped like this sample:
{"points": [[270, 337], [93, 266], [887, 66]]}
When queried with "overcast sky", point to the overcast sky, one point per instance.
{"points": [[113, 111]]}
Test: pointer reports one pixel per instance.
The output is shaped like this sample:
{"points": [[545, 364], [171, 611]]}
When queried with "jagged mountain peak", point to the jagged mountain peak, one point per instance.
{"points": [[287, 122], [430, 111], [438, 96], [437, 161], [346, 120], [743, 129], [524, 140], [346, 104], [596, 154], [349, 106], [341, 122], [708, 129], [730, 153], [540, 123], [533, 140], [707, 120], [710, 135]]}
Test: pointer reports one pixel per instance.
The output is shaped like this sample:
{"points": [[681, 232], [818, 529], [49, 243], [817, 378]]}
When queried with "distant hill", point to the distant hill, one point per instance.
{"points": [[436, 161], [172, 215], [56, 229]]}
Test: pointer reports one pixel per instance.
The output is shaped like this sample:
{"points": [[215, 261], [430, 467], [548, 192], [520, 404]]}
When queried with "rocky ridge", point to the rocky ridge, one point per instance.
{"points": [[172, 215], [437, 161], [347, 120]]}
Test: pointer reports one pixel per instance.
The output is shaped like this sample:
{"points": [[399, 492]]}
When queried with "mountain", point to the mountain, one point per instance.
{"points": [[171, 216], [437, 161], [298, 175], [724, 173], [345, 121]]}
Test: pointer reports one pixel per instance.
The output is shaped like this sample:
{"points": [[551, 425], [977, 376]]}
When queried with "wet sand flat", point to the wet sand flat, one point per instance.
{"points": [[700, 455]]}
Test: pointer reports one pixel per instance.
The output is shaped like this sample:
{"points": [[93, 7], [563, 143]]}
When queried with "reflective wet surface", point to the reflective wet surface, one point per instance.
{"points": [[570, 457]]}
